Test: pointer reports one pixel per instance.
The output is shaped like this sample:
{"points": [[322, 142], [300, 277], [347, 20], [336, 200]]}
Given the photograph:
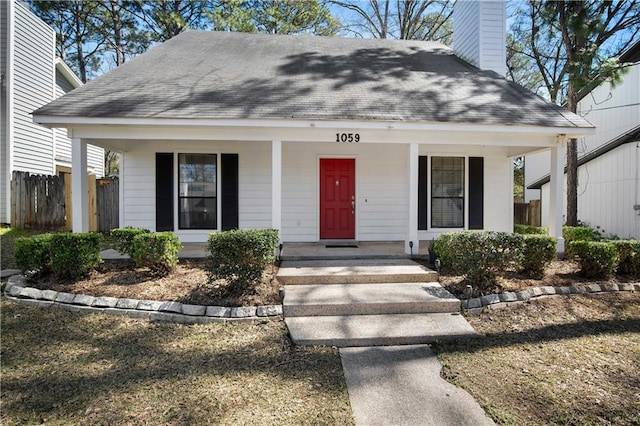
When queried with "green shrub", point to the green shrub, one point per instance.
{"points": [[240, 257], [629, 255], [33, 255], [124, 238], [529, 230], [73, 256], [479, 255], [576, 233], [157, 251], [597, 259], [537, 252]]}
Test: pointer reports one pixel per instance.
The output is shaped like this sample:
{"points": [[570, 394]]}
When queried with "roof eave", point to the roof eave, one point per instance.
{"points": [[71, 77], [69, 122]]}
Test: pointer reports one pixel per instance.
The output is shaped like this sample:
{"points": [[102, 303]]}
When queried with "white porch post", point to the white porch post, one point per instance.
{"points": [[556, 194], [276, 185], [412, 231], [79, 202]]}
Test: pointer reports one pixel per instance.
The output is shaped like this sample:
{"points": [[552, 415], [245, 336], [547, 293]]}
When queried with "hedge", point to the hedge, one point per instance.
{"points": [[157, 251], [629, 256], [537, 252], [73, 256], [124, 238], [33, 255], [529, 230], [479, 255], [240, 257], [597, 259], [577, 233]]}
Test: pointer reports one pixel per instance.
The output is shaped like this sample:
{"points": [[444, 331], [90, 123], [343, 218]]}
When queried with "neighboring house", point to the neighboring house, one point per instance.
{"points": [[31, 77], [608, 161], [320, 138]]}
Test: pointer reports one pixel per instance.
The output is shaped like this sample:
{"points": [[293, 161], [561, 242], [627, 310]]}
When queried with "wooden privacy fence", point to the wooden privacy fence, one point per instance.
{"points": [[37, 201], [44, 202], [527, 213]]}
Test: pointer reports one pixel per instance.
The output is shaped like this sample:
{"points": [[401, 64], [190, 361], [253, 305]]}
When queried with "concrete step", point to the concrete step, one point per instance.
{"points": [[377, 330], [367, 299], [354, 271]]}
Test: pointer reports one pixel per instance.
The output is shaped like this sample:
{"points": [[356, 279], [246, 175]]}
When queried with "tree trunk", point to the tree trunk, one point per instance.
{"points": [[572, 182]]}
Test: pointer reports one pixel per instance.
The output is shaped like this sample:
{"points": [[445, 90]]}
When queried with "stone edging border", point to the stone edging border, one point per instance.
{"points": [[476, 305], [177, 312]]}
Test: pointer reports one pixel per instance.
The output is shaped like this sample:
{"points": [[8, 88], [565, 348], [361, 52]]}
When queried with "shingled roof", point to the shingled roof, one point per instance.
{"points": [[218, 75]]}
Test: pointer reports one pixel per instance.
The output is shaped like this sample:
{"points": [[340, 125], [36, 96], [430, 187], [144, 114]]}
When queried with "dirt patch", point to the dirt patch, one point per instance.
{"points": [[187, 284], [561, 360], [558, 273]]}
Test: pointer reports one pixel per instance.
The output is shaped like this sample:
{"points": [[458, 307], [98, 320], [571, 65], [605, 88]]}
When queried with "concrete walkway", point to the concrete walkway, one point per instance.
{"points": [[401, 385]]}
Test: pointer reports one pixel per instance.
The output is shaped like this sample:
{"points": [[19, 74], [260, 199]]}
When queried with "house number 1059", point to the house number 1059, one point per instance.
{"points": [[347, 137]]}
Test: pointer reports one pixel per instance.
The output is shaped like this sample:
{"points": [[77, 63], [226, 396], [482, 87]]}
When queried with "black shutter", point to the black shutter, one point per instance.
{"points": [[476, 192], [229, 190], [423, 183], [164, 191]]}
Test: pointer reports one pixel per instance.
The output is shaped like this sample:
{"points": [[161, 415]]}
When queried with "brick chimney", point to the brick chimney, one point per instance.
{"points": [[479, 33]]}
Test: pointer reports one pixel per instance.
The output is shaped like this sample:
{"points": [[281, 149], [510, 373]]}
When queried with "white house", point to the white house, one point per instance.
{"points": [[31, 76], [609, 160], [320, 138]]}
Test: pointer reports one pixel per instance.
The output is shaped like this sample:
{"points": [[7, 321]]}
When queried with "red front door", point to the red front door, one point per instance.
{"points": [[337, 198]]}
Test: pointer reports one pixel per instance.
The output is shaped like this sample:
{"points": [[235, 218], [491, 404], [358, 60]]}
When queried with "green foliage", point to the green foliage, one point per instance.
{"points": [[577, 233], [157, 251], [73, 256], [240, 257], [629, 255], [283, 17], [597, 259], [479, 255], [537, 252], [124, 238], [529, 230], [33, 255]]}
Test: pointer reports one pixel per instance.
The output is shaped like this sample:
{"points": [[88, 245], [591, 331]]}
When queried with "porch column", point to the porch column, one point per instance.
{"points": [[79, 202], [556, 193], [412, 231], [276, 186]]}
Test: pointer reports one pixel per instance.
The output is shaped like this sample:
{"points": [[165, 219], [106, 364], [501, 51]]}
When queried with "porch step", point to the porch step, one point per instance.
{"points": [[367, 299], [377, 330], [358, 271]]}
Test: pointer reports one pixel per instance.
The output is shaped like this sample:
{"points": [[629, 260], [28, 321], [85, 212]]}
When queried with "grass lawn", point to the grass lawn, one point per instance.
{"points": [[564, 360], [64, 368]]}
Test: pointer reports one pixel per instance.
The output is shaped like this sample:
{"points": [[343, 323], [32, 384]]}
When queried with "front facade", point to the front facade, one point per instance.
{"points": [[323, 139], [31, 77], [609, 160]]}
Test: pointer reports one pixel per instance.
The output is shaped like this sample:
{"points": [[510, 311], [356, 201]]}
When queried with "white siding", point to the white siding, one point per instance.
{"points": [[381, 190], [95, 155], [479, 33], [254, 187], [613, 111], [498, 194], [608, 189], [535, 166], [4, 153], [33, 88]]}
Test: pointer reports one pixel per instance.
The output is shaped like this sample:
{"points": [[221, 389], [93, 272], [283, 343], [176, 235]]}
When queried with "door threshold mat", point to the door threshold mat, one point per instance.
{"points": [[341, 246]]}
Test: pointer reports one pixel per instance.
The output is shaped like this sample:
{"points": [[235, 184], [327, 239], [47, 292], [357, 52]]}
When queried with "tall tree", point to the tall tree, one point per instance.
{"points": [[77, 42], [274, 17], [574, 45], [165, 19], [120, 31], [400, 19]]}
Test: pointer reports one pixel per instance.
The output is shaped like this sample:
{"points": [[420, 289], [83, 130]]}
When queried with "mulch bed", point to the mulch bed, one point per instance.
{"points": [[187, 284]]}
